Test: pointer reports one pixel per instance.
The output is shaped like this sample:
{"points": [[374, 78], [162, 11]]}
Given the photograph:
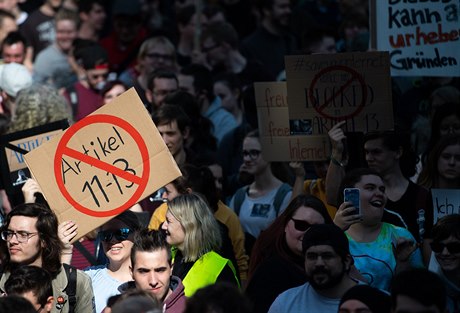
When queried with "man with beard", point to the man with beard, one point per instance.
{"points": [[327, 264], [272, 36]]}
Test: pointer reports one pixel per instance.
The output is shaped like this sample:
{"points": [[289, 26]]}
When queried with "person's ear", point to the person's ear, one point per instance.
{"points": [[131, 271], [49, 304], [188, 190], [186, 133], [348, 261], [3, 94], [149, 95], [83, 16], [226, 46], [42, 243], [399, 153]]}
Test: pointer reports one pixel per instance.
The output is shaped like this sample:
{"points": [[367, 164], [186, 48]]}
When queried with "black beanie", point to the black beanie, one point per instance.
{"points": [[130, 219], [326, 234], [376, 300]]}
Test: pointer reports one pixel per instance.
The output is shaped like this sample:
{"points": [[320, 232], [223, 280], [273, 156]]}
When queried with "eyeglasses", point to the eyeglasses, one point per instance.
{"points": [[452, 247], [301, 225], [252, 154], [21, 236], [158, 56], [119, 234]]}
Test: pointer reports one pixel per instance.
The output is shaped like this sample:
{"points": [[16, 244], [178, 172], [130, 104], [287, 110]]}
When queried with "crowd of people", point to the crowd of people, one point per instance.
{"points": [[235, 232]]}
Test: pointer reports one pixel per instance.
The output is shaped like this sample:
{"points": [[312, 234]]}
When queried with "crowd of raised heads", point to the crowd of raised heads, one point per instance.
{"points": [[374, 227]]}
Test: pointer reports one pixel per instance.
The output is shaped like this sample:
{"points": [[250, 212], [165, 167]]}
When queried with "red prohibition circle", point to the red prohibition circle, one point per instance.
{"points": [[63, 149], [354, 76]]}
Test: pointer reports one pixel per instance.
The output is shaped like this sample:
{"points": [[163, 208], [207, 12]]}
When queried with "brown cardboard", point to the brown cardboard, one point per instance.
{"points": [[16, 159], [295, 148], [103, 164], [272, 108], [276, 138], [13, 146], [326, 88]]}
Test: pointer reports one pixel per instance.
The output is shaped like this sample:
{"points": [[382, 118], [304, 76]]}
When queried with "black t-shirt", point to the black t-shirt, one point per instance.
{"points": [[39, 31], [414, 211]]}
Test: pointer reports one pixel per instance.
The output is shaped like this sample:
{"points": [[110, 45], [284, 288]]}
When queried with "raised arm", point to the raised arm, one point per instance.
{"points": [[336, 169]]}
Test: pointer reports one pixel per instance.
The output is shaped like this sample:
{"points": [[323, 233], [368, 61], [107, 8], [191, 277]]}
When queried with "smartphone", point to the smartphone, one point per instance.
{"points": [[352, 195]]}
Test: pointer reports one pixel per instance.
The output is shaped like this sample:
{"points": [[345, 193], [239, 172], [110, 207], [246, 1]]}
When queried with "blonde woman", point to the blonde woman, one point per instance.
{"points": [[194, 233]]}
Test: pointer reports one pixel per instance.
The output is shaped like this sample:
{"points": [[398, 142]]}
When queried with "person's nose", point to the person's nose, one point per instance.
{"points": [[445, 251], [14, 239], [451, 160], [152, 280], [368, 156], [164, 226], [319, 262]]}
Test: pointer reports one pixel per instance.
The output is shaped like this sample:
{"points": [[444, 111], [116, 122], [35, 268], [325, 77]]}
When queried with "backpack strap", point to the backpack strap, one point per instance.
{"points": [[88, 256], [238, 199], [280, 195], [71, 289]]}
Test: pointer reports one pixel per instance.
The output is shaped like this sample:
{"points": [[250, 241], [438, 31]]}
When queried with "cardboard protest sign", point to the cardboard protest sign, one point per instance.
{"points": [[324, 89], [445, 202], [14, 146], [103, 164], [423, 37], [278, 141]]}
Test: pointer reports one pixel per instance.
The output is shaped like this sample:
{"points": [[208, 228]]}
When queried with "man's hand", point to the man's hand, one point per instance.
{"points": [[403, 249], [337, 137], [298, 169], [345, 216], [29, 189]]}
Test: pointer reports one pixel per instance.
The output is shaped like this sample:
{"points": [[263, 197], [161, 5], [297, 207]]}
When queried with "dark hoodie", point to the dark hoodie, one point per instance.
{"points": [[175, 302]]}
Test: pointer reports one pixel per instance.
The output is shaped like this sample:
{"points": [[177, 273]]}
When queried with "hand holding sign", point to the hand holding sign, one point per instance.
{"points": [[30, 189], [102, 165], [338, 141]]}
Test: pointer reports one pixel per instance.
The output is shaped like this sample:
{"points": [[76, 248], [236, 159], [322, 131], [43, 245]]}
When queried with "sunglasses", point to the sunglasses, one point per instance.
{"points": [[453, 247], [119, 234], [301, 225]]}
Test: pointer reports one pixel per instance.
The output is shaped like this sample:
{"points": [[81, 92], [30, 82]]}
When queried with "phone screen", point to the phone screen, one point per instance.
{"points": [[352, 195]]}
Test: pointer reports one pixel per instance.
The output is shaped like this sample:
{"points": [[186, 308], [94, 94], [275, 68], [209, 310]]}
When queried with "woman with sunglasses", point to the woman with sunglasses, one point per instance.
{"points": [[195, 235], [277, 262], [117, 240], [259, 203], [446, 249], [379, 249]]}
